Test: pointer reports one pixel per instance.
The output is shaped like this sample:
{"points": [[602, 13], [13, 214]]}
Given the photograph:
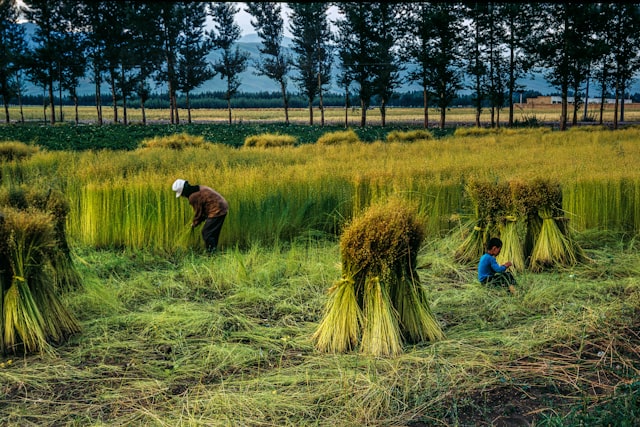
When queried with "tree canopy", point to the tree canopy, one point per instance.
{"points": [[443, 47]]}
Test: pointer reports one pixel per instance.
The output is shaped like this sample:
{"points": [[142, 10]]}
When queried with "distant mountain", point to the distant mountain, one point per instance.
{"points": [[251, 82]]}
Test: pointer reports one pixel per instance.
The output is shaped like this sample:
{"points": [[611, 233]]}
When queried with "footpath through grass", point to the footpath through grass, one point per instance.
{"points": [[193, 340]]}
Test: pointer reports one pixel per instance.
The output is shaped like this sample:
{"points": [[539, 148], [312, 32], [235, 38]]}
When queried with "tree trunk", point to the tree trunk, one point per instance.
{"points": [[51, 106], [172, 106], [563, 112], [285, 101], [310, 113], [188, 107], [98, 99], [144, 113], [175, 106], [363, 114], [229, 108], [60, 99], [75, 104], [425, 100], [478, 102], [383, 113], [20, 104], [114, 100], [615, 108], [511, 79], [124, 98], [124, 110], [6, 109], [346, 108], [443, 113], [320, 100], [622, 92]]}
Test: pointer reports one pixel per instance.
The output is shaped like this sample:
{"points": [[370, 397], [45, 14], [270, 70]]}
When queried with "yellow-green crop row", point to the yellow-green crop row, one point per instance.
{"points": [[333, 115], [125, 198]]}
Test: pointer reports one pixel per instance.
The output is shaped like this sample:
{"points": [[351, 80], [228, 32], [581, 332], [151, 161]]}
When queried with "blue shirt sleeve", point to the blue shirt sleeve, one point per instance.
{"points": [[488, 266]]}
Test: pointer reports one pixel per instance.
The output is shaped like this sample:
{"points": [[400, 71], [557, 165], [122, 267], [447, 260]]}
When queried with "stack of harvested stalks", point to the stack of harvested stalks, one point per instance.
{"points": [[490, 202], [36, 266], [528, 218], [553, 245], [379, 303]]}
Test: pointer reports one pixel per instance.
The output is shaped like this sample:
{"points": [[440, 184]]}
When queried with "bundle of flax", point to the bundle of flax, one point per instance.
{"points": [[513, 229], [490, 202], [32, 313], [553, 245], [379, 302], [65, 275], [37, 267]]}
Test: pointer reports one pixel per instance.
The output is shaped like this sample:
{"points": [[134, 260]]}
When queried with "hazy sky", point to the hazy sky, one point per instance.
{"points": [[243, 19]]}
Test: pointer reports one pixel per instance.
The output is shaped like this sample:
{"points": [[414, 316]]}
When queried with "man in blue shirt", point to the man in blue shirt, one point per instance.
{"points": [[489, 271]]}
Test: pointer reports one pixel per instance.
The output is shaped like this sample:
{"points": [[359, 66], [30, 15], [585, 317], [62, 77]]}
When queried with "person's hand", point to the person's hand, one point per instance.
{"points": [[508, 264]]}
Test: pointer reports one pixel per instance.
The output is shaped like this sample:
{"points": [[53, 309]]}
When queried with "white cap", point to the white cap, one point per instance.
{"points": [[178, 186]]}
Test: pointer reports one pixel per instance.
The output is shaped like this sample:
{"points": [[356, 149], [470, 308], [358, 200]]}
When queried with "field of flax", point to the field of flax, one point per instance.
{"points": [[173, 337], [123, 199]]}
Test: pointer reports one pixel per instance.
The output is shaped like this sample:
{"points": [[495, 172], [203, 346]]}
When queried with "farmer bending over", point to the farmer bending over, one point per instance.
{"points": [[208, 206], [489, 271]]}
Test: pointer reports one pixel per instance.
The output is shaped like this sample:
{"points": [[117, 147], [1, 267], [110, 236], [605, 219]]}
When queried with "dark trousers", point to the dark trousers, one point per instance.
{"points": [[211, 232], [500, 279]]}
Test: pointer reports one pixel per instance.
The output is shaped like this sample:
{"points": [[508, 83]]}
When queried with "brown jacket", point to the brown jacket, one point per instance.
{"points": [[207, 203]]}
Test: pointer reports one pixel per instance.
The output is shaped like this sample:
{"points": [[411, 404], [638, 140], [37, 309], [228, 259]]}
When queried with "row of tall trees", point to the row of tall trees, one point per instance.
{"points": [[443, 46]]}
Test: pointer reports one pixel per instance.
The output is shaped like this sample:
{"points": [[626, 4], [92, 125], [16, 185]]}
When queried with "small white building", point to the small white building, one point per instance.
{"points": [[570, 100]]}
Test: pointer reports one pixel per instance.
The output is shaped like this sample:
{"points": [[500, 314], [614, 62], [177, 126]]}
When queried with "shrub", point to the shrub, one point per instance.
{"points": [[266, 140], [339, 137], [15, 150], [176, 141], [409, 136]]}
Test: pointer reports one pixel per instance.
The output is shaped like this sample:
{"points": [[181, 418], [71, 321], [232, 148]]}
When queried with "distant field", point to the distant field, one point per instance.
{"points": [[335, 115]]}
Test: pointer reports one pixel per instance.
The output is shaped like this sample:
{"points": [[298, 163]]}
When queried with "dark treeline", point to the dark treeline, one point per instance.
{"points": [[409, 99], [585, 49]]}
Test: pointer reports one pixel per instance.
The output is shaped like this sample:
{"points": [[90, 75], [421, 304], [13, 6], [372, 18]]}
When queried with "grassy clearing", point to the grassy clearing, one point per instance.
{"points": [[193, 340]]}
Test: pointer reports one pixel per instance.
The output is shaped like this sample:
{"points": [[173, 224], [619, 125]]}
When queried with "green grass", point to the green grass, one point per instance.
{"points": [[192, 340]]}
